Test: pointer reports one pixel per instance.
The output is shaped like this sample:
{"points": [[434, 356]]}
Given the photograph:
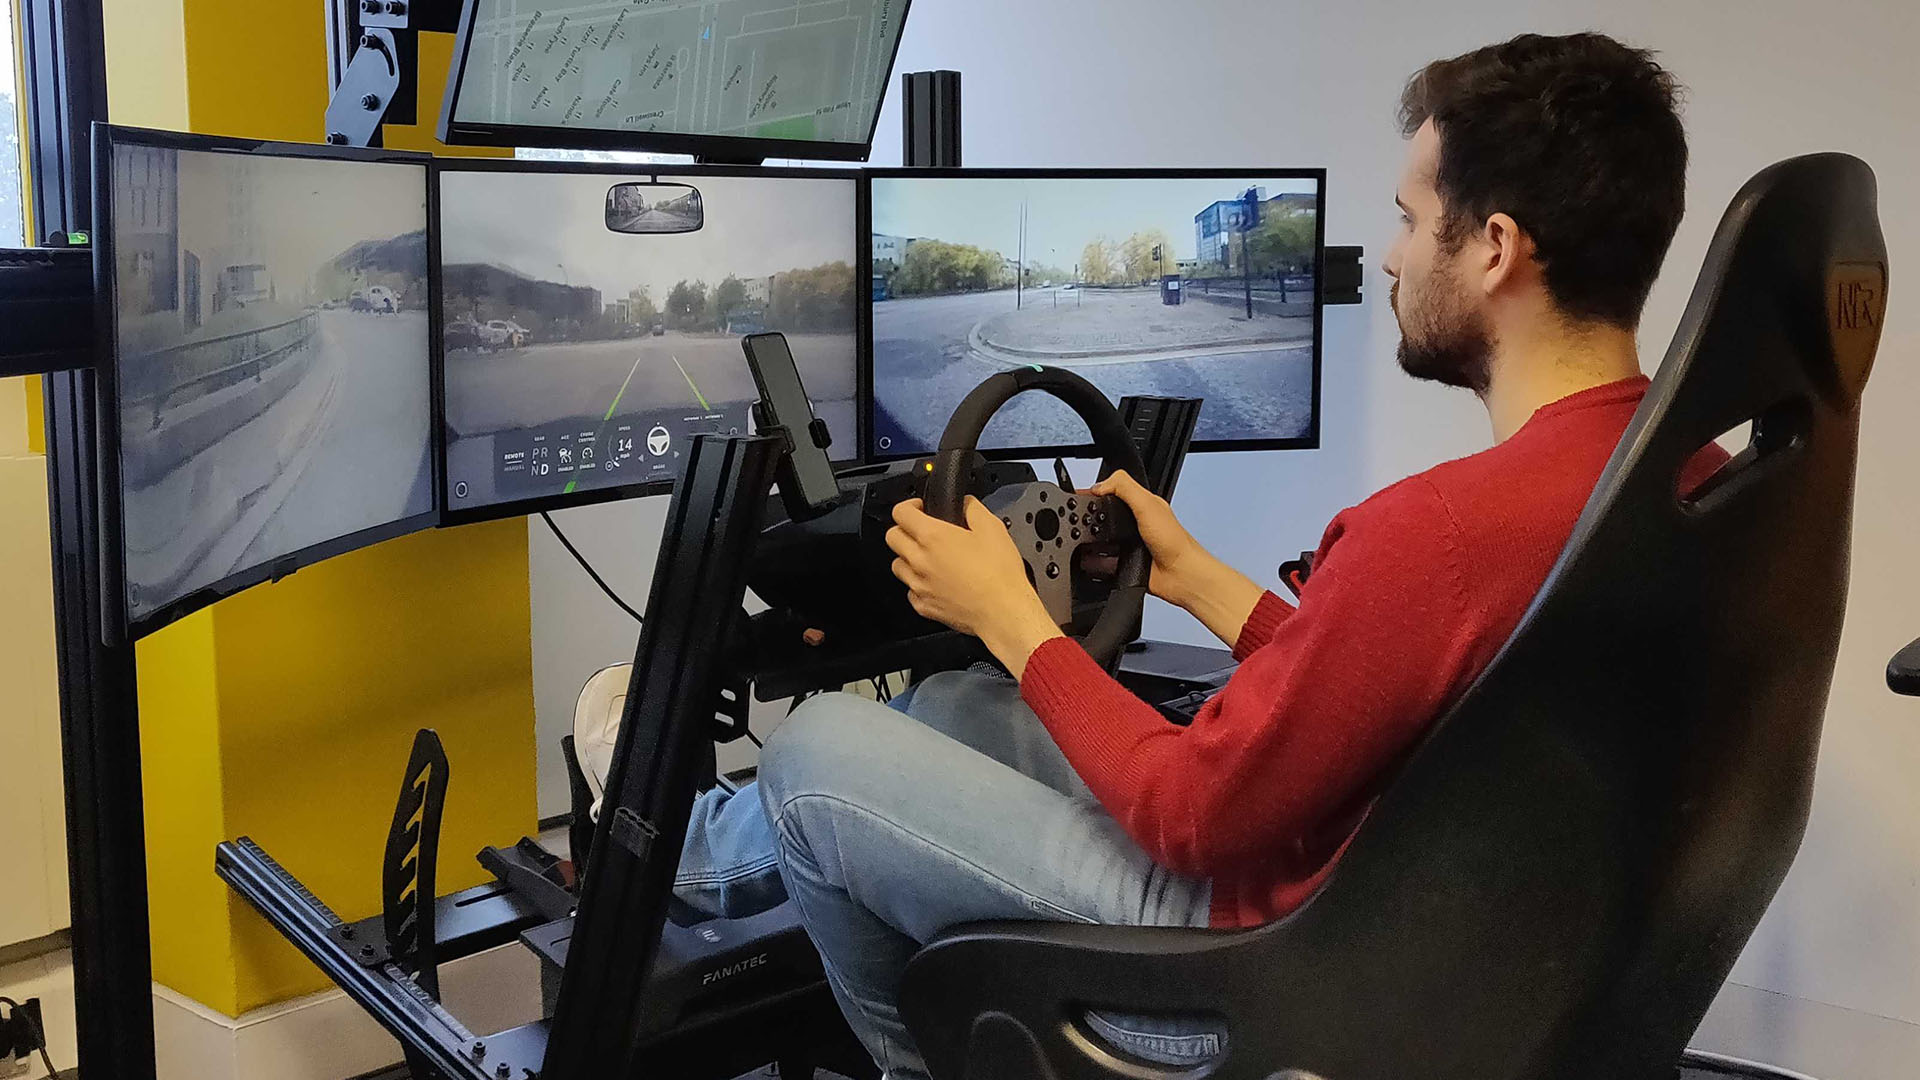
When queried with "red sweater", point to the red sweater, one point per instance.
{"points": [[1412, 593]]}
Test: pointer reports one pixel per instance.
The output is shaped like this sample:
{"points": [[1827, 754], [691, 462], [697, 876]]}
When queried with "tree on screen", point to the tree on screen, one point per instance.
{"points": [[1100, 263], [816, 299], [728, 297], [687, 306], [1283, 243], [1136, 255], [934, 267]]}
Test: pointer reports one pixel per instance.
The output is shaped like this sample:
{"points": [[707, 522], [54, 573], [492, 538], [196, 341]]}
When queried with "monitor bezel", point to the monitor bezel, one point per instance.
{"points": [[715, 148], [869, 395], [118, 621], [862, 316]]}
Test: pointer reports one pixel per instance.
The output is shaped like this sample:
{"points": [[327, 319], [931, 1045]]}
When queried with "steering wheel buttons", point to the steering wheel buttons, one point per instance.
{"points": [[1053, 569], [1075, 534]]}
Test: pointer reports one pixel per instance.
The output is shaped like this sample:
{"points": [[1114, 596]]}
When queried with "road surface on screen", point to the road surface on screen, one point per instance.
{"points": [[768, 69]]}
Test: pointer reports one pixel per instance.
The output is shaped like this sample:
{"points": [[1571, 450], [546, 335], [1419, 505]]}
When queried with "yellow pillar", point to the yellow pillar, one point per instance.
{"points": [[285, 713]]}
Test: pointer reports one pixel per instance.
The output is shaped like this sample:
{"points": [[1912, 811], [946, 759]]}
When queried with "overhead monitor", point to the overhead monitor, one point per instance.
{"points": [[592, 320], [724, 79], [1184, 284], [268, 357]]}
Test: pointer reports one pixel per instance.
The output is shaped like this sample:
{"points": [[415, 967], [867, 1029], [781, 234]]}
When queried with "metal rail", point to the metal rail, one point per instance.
{"points": [[248, 364]]}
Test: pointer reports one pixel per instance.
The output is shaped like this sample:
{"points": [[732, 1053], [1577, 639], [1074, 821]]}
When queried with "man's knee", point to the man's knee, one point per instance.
{"points": [[952, 702], [826, 738]]}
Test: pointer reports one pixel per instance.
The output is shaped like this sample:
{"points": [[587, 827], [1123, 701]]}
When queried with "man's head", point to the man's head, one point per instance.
{"points": [[1545, 178]]}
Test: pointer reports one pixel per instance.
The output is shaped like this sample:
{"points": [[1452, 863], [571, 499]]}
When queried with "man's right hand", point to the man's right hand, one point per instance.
{"points": [[1185, 574], [1168, 541]]}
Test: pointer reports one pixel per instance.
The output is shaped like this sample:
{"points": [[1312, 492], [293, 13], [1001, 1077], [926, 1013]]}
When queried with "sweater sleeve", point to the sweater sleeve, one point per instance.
{"points": [[1339, 689], [1266, 617]]}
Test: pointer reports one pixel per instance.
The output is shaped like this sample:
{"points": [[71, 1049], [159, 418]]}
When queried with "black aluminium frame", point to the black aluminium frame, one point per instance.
{"points": [[65, 93], [862, 313], [116, 618], [712, 524], [715, 148], [1310, 441]]}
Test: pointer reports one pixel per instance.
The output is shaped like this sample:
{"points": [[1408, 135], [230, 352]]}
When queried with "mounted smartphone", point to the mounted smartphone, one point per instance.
{"points": [[807, 482]]}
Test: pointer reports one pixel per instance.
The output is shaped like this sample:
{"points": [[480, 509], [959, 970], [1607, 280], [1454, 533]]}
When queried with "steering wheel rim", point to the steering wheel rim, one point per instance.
{"points": [[949, 480]]}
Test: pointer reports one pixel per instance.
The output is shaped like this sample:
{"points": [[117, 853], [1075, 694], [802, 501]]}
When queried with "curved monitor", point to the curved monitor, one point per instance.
{"points": [[269, 360], [723, 79], [592, 320], [1184, 284]]}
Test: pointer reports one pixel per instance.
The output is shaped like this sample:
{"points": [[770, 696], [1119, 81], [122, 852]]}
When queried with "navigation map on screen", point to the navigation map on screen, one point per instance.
{"points": [[763, 69]]}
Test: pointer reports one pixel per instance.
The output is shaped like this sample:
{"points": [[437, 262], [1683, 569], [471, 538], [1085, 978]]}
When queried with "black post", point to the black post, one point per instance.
{"points": [[665, 734], [66, 92], [930, 119], [1246, 267]]}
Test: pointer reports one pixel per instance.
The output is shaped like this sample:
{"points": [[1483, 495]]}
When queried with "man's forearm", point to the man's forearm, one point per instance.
{"points": [[1220, 597]]}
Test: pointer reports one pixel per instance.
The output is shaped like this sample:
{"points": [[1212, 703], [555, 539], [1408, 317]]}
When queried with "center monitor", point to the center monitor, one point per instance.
{"points": [[1180, 284], [592, 320]]}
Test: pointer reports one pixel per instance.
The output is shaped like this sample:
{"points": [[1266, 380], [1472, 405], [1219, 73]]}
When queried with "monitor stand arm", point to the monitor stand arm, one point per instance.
{"points": [[365, 93], [373, 63]]}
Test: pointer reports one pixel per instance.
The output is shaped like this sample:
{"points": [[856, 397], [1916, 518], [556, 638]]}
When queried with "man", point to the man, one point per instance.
{"points": [[1544, 181]]}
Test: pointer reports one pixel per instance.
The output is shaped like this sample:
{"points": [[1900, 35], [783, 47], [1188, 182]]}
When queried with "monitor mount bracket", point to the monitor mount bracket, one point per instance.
{"points": [[373, 63]]}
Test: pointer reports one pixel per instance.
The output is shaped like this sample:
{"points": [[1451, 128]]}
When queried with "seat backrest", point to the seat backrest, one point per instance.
{"points": [[1567, 869]]}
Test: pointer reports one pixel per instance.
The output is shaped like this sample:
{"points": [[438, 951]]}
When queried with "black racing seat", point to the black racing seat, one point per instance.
{"points": [[1903, 674], [1558, 881]]}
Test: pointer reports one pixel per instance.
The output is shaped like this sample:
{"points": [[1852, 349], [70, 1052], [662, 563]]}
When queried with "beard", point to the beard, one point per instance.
{"points": [[1441, 338]]}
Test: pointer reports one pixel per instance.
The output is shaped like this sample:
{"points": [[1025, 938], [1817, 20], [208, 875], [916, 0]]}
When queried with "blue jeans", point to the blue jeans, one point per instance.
{"points": [[888, 825]]}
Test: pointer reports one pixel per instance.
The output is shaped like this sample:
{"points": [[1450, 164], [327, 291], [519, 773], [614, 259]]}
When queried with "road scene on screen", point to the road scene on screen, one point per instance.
{"points": [[1184, 288], [812, 70], [581, 357], [273, 359]]}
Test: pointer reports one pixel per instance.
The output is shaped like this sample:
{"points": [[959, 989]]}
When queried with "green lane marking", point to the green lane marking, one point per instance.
{"points": [[696, 390], [623, 389]]}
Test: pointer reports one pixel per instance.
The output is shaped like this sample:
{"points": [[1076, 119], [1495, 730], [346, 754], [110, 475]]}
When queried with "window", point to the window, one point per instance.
{"points": [[12, 192]]}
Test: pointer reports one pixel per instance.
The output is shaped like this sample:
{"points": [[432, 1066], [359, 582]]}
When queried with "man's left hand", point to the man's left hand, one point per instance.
{"points": [[970, 579]]}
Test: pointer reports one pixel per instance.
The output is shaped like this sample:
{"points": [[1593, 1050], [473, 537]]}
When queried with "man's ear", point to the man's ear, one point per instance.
{"points": [[1507, 248]]}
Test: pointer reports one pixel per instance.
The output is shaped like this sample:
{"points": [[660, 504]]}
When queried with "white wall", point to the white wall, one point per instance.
{"points": [[1238, 82]]}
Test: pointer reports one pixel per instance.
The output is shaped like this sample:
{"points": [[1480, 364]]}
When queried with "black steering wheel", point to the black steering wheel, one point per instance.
{"points": [[1050, 524]]}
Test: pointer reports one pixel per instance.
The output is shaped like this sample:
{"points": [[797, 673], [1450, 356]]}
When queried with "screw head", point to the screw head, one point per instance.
{"points": [[396, 7], [366, 951], [503, 1070], [371, 7], [368, 41], [336, 138], [479, 1049], [347, 932], [370, 102]]}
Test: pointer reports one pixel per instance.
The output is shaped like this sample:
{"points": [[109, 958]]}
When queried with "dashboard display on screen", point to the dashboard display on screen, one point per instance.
{"points": [[804, 75], [592, 321], [272, 360], [1183, 285]]}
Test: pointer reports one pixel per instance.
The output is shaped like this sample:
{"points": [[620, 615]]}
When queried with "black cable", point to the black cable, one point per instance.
{"points": [[588, 567], [39, 1033]]}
